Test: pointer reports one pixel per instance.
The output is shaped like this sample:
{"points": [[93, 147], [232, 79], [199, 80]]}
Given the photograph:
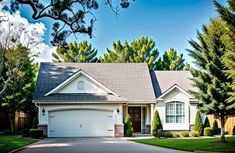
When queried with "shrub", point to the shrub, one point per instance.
{"points": [[208, 131], [198, 126], [234, 130], [128, 128], [185, 133], [167, 134], [36, 133], [195, 134], [156, 124], [175, 134], [25, 133], [215, 127], [207, 123]]}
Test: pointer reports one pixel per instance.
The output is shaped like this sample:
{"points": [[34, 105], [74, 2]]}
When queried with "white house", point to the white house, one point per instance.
{"points": [[92, 99]]}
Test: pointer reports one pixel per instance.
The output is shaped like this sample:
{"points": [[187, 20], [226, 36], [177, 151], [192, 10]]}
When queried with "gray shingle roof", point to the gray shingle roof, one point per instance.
{"points": [[131, 81], [163, 80]]}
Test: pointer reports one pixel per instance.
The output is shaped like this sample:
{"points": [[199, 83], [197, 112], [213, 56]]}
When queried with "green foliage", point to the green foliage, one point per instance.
{"points": [[77, 53], [168, 134], [36, 133], [156, 124], [198, 126], [216, 128], [185, 134], [211, 77], [208, 131], [175, 134], [195, 134], [171, 61], [227, 14], [141, 50], [128, 129], [206, 123]]}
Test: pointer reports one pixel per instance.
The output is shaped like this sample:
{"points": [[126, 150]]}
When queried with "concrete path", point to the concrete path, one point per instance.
{"points": [[93, 145]]}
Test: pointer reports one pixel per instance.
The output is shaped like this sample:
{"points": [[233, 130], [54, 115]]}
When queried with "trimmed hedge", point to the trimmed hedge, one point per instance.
{"points": [[175, 134], [195, 134], [128, 128], [36, 133], [185, 134], [208, 131], [168, 134], [156, 124]]}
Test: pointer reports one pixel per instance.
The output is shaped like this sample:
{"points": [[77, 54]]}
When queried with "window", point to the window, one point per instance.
{"points": [[80, 85], [175, 112]]}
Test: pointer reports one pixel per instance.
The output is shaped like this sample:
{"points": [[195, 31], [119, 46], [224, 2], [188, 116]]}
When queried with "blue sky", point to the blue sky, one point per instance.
{"points": [[171, 23]]}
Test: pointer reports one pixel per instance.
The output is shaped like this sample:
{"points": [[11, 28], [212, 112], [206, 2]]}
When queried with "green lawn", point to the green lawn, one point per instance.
{"points": [[13, 142], [206, 144]]}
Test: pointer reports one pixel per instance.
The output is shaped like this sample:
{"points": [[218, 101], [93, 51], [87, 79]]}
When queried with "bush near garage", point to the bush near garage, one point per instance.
{"points": [[195, 134], [128, 128], [168, 134], [36, 133]]}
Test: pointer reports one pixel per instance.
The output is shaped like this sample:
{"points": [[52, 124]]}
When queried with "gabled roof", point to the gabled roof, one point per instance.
{"points": [[74, 76], [128, 82], [175, 86], [164, 81]]}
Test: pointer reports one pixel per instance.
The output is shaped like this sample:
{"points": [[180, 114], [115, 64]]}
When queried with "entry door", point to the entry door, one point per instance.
{"points": [[135, 114]]}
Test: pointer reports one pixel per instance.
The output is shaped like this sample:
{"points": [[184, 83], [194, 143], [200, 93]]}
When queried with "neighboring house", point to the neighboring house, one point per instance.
{"points": [[92, 99]]}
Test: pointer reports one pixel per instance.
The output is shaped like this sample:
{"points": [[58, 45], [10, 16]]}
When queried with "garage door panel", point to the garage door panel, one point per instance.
{"points": [[81, 123]]}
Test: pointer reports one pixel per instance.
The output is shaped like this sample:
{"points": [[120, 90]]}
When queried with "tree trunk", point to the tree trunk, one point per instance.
{"points": [[222, 134], [11, 116]]}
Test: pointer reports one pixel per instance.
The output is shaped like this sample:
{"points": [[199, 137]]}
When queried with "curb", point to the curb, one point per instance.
{"points": [[18, 149]]}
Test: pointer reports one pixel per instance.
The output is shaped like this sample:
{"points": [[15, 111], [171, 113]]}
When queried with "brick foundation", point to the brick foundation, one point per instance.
{"points": [[119, 130], [44, 128], [148, 129]]}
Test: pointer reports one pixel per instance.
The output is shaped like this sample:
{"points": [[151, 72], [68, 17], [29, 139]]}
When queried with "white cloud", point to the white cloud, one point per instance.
{"points": [[29, 34]]}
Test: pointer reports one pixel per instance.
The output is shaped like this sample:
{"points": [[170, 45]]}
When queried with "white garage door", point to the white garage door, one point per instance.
{"points": [[81, 123]]}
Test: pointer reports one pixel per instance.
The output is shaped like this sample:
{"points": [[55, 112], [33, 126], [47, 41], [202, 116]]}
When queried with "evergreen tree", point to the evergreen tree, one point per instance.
{"points": [[198, 126], [156, 124], [216, 127], [128, 129], [77, 53], [18, 97], [210, 76], [228, 15], [171, 61], [207, 123], [138, 51]]}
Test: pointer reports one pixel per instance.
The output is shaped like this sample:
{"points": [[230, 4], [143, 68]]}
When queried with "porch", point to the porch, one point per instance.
{"points": [[141, 116]]}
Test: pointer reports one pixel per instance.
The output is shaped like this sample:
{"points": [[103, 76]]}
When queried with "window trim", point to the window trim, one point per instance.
{"points": [[183, 112], [80, 84]]}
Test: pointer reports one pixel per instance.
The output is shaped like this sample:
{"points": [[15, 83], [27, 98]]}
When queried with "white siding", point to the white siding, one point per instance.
{"points": [[89, 86], [176, 95]]}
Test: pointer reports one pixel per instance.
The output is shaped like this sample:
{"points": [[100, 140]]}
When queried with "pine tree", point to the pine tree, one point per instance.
{"points": [[207, 123], [128, 128], [215, 127], [156, 124], [228, 15], [77, 53], [171, 61], [138, 51], [210, 75], [198, 126]]}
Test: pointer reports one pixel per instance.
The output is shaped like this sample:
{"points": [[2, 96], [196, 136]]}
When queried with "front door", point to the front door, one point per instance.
{"points": [[135, 114]]}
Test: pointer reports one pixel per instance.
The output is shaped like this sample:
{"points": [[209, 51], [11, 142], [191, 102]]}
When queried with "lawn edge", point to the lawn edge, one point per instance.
{"points": [[23, 147]]}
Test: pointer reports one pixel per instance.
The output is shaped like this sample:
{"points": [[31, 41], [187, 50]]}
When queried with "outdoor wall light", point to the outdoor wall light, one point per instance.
{"points": [[118, 110], [43, 111]]}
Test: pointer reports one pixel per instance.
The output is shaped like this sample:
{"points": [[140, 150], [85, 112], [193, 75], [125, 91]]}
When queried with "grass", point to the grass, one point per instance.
{"points": [[206, 144], [13, 142]]}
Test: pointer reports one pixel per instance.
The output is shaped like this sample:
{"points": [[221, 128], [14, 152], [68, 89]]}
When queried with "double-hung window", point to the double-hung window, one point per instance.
{"points": [[175, 112]]}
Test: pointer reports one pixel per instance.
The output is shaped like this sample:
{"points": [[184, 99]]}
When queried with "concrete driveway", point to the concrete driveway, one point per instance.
{"points": [[92, 145]]}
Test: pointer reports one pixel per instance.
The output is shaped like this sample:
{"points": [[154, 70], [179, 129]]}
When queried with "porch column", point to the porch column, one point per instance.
{"points": [[151, 112]]}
